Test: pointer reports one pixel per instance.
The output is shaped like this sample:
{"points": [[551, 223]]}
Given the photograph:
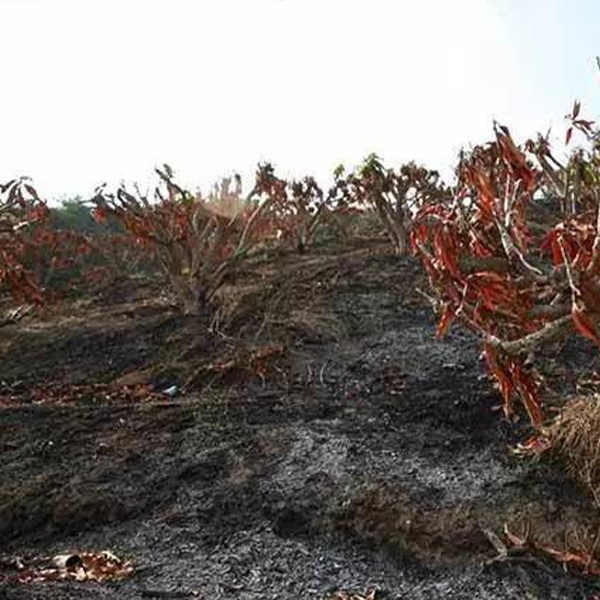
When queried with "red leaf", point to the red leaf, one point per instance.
{"points": [[503, 378], [445, 321], [568, 136], [534, 446], [584, 124], [32, 191], [99, 215], [529, 394], [584, 324], [447, 252], [513, 539]]}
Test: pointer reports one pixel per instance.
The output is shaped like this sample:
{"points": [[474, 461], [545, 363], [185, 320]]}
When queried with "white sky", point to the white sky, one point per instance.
{"points": [[99, 91]]}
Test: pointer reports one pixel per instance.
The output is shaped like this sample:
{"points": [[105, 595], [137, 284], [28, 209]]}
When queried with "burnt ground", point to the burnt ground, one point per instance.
{"points": [[321, 440]]}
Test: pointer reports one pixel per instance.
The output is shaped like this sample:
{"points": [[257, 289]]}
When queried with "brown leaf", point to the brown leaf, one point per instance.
{"points": [[568, 136], [445, 320], [584, 324]]}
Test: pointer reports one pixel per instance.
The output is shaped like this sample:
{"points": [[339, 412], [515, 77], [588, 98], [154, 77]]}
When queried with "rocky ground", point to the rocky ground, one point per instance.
{"points": [[357, 452]]}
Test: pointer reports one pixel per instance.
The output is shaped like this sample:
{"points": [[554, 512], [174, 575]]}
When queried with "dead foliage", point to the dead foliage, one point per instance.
{"points": [[393, 195], [116, 257], [298, 207], [575, 438], [31, 251], [240, 360], [81, 566], [580, 557], [195, 246], [60, 394], [343, 595], [516, 255]]}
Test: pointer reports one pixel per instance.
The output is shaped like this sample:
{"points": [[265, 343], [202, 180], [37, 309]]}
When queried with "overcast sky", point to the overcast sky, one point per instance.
{"points": [[102, 91]]}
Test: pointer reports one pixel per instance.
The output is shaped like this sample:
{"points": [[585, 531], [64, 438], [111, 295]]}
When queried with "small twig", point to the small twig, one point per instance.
{"points": [[322, 374], [595, 262], [16, 314], [309, 376], [592, 551], [511, 250], [496, 542], [509, 202], [550, 332], [435, 303], [576, 291]]}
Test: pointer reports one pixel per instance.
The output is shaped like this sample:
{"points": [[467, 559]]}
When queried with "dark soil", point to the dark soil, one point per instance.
{"points": [[322, 439]]}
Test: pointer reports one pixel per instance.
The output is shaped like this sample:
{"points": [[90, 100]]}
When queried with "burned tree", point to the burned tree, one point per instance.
{"points": [[516, 255]]}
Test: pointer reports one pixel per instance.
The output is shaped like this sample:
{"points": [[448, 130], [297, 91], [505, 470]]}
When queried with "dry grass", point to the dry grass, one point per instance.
{"points": [[311, 324], [308, 324], [575, 437]]}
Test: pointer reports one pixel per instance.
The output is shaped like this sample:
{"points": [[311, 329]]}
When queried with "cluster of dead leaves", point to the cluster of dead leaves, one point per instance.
{"points": [[583, 561], [368, 595], [81, 566], [57, 394], [257, 361]]}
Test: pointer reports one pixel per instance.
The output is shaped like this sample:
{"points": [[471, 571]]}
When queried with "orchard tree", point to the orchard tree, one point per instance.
{"points": [[394, 195], [20, 209], [33, 253], [297, 208], [516, 255], [195, 244]]}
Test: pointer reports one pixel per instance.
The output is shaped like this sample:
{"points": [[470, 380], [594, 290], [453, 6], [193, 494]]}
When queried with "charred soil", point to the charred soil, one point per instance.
{"points": [[320, 438]]}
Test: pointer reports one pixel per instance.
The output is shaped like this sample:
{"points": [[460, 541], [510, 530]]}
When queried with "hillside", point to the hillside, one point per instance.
{"points": [[319, 439]]}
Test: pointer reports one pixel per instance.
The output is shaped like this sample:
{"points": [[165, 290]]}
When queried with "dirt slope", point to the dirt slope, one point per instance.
{"points": [[368, 456]]}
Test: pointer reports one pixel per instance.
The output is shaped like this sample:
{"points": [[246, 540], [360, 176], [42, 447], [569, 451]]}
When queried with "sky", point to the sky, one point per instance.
{"points": [[96, 91]]}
